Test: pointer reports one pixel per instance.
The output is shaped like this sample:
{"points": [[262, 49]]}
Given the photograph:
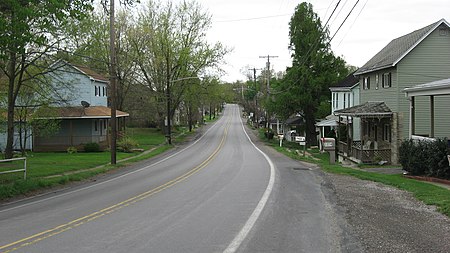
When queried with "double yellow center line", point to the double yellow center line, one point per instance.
{"points": [[93, 216]]}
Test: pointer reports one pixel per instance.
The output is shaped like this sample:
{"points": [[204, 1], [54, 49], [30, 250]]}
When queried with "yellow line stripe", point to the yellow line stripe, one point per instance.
{"points": [[77, 222]]}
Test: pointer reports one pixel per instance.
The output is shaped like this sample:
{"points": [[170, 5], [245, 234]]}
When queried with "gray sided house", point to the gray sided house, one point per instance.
{"points": [[83, 116], [419, 57]]}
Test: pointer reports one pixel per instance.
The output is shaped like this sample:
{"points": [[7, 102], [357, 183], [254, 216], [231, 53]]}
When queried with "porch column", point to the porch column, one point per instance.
{"points": [[412, 121], [432, 115], [349, 144]]}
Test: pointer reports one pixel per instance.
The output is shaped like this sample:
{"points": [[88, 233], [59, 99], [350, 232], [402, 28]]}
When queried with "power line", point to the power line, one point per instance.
{"points": [[354, 21], [249, 19], [344, 21]]}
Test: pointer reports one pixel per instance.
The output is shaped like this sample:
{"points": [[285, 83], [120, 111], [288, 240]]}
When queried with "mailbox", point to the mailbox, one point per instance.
{"points": [[328, 144]]}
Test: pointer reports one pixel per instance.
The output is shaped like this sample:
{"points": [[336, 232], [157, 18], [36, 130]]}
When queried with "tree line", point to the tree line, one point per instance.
{"points": [[303, 89], [163, 57]]}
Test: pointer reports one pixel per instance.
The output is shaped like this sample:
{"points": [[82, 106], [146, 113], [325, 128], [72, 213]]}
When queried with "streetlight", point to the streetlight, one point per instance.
{"points": [[169, 130]]}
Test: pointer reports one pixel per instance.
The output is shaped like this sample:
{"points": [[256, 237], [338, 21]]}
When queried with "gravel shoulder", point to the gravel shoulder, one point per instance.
{"points": [[385, 219]]}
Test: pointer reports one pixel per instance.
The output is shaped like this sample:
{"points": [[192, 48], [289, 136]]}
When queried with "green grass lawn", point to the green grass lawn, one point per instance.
{"points": [[428, 193], [56, 168]]}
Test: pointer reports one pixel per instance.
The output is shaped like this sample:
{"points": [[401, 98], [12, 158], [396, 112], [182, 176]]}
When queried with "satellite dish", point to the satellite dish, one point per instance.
{"points": [[85, 104]]}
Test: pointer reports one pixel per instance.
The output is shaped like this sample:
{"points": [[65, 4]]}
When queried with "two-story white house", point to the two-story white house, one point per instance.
{"points": [[344, 94], [83, 113]]}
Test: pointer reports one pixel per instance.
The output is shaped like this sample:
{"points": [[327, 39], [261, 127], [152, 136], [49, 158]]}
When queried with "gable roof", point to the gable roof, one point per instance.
{"points": [[368, 109], [398, 48], [83, 70], [91, 73], [348, 82]]}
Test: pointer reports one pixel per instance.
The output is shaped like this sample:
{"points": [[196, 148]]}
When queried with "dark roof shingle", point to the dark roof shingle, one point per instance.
{"points": [[347, 82], [368, 109]]}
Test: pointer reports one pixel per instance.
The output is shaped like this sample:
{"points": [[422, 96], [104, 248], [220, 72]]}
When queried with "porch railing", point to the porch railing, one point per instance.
{"points": [[362, 154]]}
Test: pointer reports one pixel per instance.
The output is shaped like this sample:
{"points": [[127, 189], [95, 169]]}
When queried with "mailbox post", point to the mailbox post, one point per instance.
{"points": [[302, 141], [329, 144]]}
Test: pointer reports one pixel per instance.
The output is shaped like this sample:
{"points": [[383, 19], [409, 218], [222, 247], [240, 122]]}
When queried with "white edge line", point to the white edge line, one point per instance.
{"points": [[104, 182], [240, 237]]}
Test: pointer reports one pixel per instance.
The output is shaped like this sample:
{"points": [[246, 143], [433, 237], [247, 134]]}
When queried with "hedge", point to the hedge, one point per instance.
{"points": [[425, 158]]}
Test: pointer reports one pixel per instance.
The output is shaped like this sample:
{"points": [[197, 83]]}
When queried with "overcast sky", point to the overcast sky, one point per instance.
{"points": [[255, 28]]}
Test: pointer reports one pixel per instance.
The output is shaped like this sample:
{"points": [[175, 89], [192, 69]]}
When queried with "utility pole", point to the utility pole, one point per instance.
{"points": [[112, 74], [256, 95], [268, 71], [268, 84]]}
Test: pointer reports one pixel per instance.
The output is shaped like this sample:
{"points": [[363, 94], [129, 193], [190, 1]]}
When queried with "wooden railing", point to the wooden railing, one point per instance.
{"points": [[364, 155]]}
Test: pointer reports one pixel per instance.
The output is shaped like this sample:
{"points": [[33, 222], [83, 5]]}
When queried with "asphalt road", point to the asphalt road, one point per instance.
{"points": [[218, 194]]}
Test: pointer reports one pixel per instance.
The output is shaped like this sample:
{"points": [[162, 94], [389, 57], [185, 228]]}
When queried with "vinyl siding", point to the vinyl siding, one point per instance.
{"points": [[377, 92], [75, 87], [429, 61]]}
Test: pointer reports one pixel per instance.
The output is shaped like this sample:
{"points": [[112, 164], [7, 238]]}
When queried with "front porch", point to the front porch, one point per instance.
{"points": [[377, 131]]}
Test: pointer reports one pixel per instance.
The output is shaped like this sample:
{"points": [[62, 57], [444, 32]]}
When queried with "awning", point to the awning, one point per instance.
{"points": [[366, 110]]}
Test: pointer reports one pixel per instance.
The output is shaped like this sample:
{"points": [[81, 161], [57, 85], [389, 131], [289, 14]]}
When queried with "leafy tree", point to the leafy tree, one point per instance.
{"points": [[172, 46], [30, 31], [306, 84]]}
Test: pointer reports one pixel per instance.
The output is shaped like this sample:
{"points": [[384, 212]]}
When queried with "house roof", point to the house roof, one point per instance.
{"points": [[83, 70], [297, 120], [327, 122], [91, 73], [368, 109], [398, 48], [80, 112], [347, 82], [439, 87]]}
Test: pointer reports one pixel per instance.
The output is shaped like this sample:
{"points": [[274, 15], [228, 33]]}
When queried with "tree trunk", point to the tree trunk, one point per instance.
{"points": [[210, 109], [11, 103], [311, 139]]}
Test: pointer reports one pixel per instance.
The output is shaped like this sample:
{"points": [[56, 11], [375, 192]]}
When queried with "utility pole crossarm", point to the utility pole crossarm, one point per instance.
{"points": [[268, 70]]}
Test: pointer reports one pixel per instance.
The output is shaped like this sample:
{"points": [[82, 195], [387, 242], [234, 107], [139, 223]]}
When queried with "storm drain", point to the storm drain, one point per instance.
{"points": [[301, 168]]}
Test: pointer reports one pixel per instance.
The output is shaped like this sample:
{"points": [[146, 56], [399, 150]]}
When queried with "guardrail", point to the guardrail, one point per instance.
{"points": [[19, 170]]}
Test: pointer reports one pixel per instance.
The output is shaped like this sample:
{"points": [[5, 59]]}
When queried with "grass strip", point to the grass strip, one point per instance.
{"points": [[427, 193]]}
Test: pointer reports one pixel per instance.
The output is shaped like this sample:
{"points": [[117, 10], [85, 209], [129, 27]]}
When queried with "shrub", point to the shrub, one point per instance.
{"points": [[126, 144], [425, 158], [91, 147], [72, 150]]}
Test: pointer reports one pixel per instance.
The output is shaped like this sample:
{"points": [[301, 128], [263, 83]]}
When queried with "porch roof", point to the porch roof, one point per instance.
{"points": [[436, 88], [79, 112], [366, 110], [327, 122]]}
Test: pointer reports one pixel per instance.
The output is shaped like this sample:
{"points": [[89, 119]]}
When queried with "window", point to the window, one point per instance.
{"points": [[96, 91], [386, 82], [345, 96], [104, 91], [96, 125], [377, 81], [337, 101], [366, 83], [332, 101], [387, 132], [348, 99]]}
